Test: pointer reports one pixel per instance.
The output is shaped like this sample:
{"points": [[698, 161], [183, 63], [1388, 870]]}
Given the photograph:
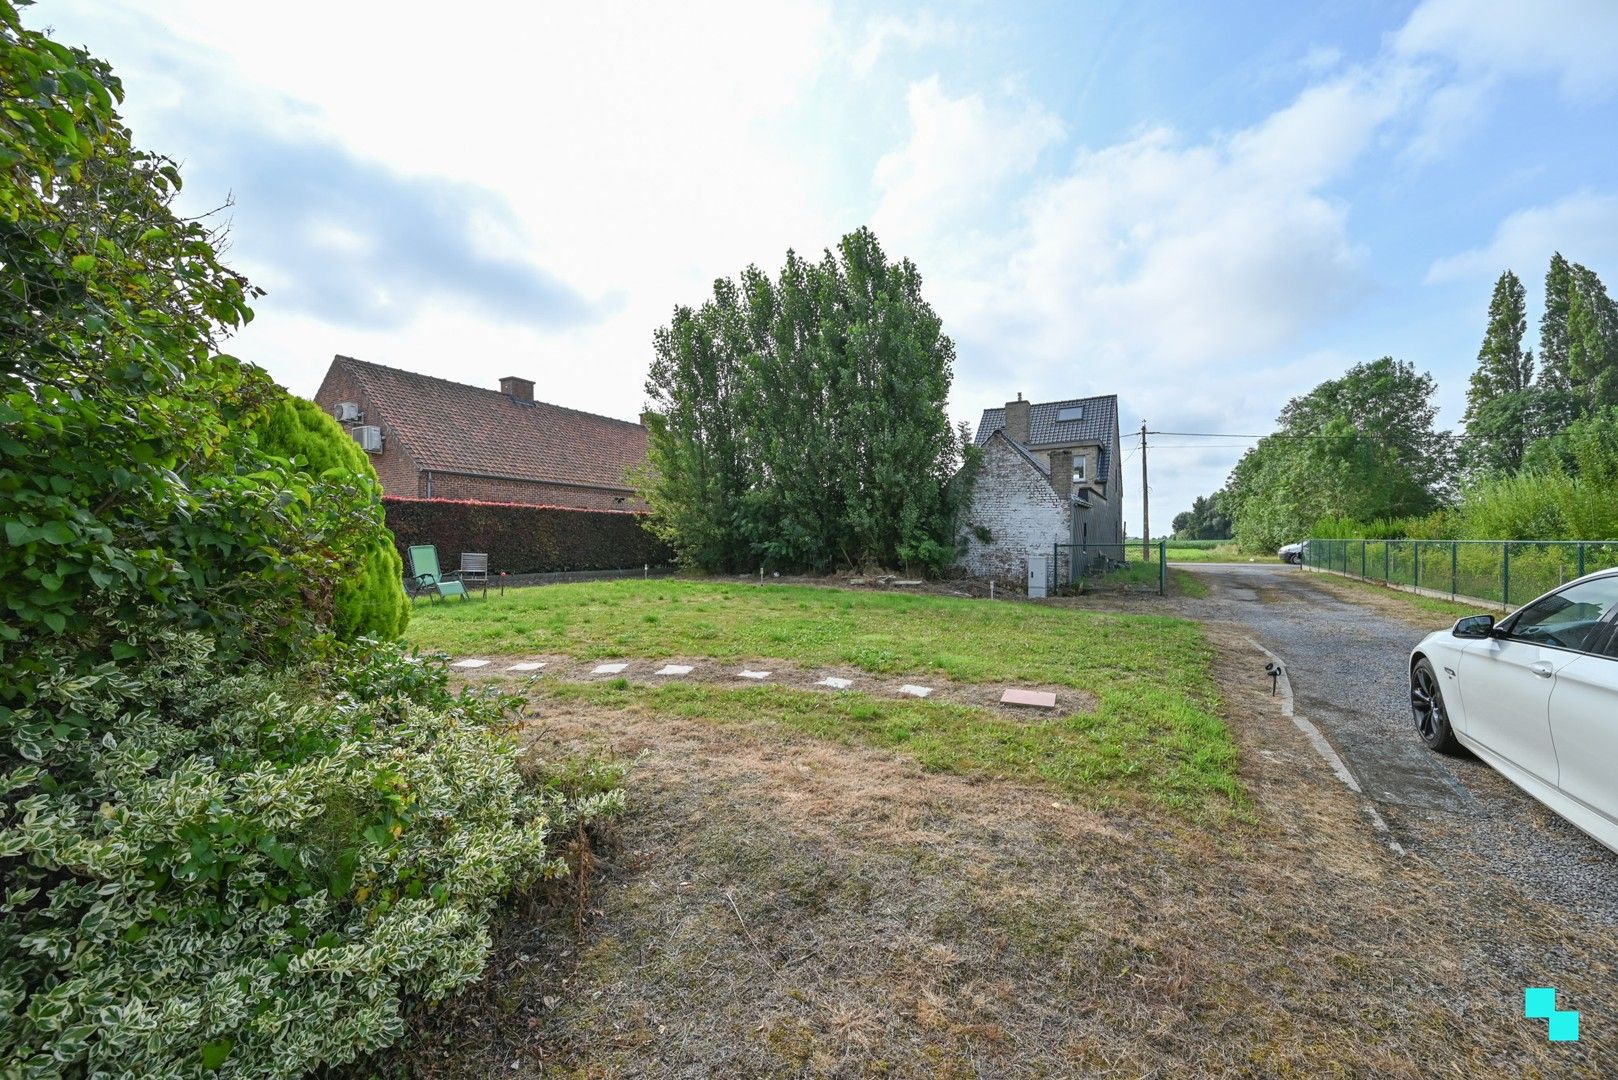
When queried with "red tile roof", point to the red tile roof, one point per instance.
{"points": [[451, 427]]}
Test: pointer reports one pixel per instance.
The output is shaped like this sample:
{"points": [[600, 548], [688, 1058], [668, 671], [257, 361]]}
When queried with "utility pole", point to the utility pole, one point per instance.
{"points": [[1145, 502]]}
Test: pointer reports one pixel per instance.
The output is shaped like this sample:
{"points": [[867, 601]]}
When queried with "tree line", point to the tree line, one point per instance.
{"points": [[1537, 457], [798, 422]]}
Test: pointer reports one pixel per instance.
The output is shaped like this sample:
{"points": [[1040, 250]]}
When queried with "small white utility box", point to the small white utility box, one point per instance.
{"points": [[1037, 574]]}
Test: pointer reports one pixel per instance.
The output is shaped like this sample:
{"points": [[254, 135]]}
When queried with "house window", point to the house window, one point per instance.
{"points": [[1070, 412], [1078, 470]]}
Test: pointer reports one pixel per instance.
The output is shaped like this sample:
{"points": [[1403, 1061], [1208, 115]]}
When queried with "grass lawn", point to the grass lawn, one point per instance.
{"points": [[1450, 609], [1220, 554], [1154, 733]]}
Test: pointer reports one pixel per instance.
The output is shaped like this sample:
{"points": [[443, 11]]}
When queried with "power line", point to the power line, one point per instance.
{"points": [[1271, 435]]}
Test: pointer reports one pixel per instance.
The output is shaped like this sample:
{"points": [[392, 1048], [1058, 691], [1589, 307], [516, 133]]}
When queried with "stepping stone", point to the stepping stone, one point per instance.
{"points": [[835, 683], [752, 674], [908, 583], [916, 691], [608, 669], [470, 663], [673, 669], [529, 665], [1038, 699]]}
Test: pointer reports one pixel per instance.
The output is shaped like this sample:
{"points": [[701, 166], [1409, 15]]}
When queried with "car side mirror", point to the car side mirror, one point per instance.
{"points": [[1474, 626]]}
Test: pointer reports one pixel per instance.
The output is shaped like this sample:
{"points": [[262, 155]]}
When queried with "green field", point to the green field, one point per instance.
{"points": [[1201, 551], [1155, 732]]}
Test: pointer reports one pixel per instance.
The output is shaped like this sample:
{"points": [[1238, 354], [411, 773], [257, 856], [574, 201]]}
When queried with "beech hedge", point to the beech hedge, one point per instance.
{"points": [[522, 539]]}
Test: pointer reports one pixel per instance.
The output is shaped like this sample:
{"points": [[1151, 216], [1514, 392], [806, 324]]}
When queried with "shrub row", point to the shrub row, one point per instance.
{"points": [[522, 539]]}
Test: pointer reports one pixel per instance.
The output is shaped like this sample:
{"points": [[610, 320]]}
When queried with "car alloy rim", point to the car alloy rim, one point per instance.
{"points": [[1424, 699]]}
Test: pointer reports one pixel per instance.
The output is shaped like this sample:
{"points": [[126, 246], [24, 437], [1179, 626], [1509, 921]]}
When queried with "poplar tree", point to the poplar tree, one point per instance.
{"points": [[1578, 349], [1500, 401], [1553, 343], [799, 422], [1592, 342]]}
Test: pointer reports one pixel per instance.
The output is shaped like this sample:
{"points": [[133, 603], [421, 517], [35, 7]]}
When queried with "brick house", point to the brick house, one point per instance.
{"points": [[432, 438], [1051, 475]]}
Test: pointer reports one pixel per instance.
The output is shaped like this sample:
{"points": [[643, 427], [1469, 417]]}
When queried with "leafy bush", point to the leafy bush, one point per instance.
{"points": [[369, 599], [526, 539], [255, 871], [228, 841]]}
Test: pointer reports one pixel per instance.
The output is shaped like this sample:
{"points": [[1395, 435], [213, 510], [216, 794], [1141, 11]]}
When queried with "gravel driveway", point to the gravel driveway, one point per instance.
{"points": [[1347, 660]]}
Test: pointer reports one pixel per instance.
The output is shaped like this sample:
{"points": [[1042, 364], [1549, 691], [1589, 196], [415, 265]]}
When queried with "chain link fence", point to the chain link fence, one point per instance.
{"points": [[1072, 563], [1106, 564], [1504, 572]]}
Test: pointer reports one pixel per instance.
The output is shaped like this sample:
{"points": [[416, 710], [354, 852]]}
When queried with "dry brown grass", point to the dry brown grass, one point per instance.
{"points": [[781, 906]]}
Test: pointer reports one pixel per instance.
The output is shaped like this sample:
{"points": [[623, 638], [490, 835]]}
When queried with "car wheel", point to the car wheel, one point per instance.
{"points": [[1427, 703]]}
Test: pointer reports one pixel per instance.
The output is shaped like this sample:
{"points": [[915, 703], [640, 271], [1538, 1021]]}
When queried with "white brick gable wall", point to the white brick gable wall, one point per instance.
{"points": [[1015, 503]]}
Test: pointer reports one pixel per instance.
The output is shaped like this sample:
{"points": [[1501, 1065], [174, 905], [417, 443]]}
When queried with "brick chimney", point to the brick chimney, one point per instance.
{"points": [[517, 389], [1062, 473], [1017, 420]]}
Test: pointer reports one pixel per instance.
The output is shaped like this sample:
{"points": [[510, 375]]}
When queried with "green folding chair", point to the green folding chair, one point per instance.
{"points": [[425, 577]]}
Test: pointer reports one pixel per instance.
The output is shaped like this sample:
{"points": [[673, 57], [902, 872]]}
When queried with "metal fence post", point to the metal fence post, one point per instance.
{"points": [[1415, 564], [1163, 567], [1581, 560], [1505, 573], [1454, 568], [1387, 560], [1363, 545]]}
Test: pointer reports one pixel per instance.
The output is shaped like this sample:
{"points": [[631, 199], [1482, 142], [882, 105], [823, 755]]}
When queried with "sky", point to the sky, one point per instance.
{"points": [[1203, 208]]}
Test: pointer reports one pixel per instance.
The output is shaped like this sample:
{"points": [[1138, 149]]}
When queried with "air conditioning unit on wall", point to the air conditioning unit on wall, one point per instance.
{"points": [[347, 412], [370, 438]]}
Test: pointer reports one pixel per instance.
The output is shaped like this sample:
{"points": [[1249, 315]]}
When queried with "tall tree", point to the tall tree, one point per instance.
{"points": [[1592, 342], [1500, 401], [1578, 350], [1553, 343], [1362, 446], [800, 422], [1208, 519]]}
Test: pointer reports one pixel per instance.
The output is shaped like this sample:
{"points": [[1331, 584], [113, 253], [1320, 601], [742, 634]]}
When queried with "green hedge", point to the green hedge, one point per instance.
{"points": [[369, 600], [525, 539]]}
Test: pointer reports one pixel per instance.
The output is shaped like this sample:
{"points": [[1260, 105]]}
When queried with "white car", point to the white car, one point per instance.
{"points": [[1535, 696], [1292, 553]]}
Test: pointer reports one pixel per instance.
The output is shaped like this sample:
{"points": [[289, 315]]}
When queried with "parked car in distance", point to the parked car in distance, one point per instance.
{"points": [[1535, 696], [1292, 553]]}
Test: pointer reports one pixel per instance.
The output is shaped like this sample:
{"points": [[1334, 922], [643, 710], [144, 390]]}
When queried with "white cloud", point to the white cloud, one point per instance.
{"points": [[1159, 254], [1584, 227], [952, 173], [886, 33], [1321, 59], [1180, 273], [1572, 41], [632, 151]]}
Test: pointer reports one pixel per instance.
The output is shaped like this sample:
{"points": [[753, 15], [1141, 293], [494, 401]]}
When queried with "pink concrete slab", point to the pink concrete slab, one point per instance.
{"points": [[1038, 699]]}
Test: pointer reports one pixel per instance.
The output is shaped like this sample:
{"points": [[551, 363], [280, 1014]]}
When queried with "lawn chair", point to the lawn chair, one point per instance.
{"points": [[475, 570], [425, 577]]}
